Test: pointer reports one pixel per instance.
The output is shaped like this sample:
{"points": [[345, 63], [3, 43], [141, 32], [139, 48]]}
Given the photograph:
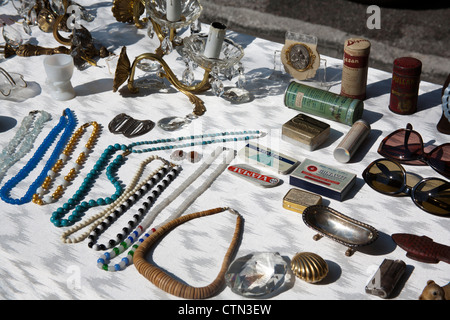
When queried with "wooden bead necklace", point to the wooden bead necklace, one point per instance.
{"points": [[39, 197], [167, 282], [104, 260]]}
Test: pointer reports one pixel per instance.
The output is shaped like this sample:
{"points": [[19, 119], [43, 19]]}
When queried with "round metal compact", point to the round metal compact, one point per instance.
{"points": [[300, 57]]}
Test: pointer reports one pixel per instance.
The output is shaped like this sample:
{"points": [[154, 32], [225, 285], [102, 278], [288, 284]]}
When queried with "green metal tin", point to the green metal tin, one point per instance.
{"points": [[323, 103]]}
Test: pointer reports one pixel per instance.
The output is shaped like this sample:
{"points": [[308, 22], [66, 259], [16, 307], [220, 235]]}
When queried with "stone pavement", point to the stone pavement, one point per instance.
{"points": [[422, 31]]}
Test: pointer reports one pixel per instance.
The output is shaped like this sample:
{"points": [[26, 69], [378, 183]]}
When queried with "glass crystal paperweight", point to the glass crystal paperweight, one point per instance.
{"points": [[257, 274]]}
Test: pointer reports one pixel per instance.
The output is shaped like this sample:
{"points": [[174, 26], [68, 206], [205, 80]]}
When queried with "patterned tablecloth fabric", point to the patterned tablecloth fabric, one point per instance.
{"points": [[35, 264]]}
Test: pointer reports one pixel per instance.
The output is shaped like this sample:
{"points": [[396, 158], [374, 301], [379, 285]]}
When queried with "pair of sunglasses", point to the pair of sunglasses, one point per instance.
{"points": [[389, 177], [406, 146]]}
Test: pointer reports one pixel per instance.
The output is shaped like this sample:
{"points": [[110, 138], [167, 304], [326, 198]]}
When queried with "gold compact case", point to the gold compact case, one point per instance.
{"points": [[298, 200], [305, 131]]}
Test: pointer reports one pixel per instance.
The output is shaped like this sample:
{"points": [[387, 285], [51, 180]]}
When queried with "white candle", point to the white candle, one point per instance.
{"points": [[215, 40], [173, 10]]}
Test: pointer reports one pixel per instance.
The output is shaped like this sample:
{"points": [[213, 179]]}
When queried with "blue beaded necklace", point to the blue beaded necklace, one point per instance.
{"points": [[80, 208], [23, 140], [67, 122]]}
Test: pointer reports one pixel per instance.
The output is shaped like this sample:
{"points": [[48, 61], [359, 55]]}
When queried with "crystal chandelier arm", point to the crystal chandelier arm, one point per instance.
{"points": [[56, 35], [199, 87], [189, 91]]}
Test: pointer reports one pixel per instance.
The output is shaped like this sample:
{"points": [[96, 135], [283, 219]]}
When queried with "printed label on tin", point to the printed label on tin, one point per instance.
{"points": [[323, 103], [355, 61], [254, 175], [299, 99], [322, 174], [261, 155], [404, 94]]}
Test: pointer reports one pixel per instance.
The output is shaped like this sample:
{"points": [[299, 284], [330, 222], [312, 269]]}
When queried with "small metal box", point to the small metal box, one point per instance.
{"points": [[323, 179], [298, 200], [305, 131]]}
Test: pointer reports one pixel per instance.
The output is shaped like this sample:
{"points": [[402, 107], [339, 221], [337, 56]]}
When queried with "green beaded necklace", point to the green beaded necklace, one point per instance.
{"points": [[80, 208], [74, 202], [215, 138]]}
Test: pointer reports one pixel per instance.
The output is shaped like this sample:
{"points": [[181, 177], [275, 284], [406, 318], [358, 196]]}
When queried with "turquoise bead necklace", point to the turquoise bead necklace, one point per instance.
{"points": [[135, 189], [80, 208], [76, 202], [214, 138]]}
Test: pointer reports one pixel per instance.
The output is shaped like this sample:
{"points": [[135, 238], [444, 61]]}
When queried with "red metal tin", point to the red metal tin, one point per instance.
{"points": [[405, 85]]}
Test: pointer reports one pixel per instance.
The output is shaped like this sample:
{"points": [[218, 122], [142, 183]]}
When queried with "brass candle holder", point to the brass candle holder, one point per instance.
{"points": [[52, 17], [191, 47]]}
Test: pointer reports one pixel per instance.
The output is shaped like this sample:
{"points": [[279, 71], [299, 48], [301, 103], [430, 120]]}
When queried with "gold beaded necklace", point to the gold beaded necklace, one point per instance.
{"points": [[39, 197]]}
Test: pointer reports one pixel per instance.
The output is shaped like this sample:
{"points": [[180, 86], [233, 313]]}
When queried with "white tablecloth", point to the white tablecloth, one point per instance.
{"points": [[35, 264]]}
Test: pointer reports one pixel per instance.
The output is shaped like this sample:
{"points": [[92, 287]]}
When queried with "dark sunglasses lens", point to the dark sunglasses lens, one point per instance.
{"points": [[404, 145], [433, 196], [385, 176], [440, 159]]}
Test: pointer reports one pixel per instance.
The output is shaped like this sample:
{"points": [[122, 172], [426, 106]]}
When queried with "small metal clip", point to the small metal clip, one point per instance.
{"points": [[130, 127], [232, 211]]}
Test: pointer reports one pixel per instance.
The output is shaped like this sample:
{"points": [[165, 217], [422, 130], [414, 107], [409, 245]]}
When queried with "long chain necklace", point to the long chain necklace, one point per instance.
{"points": [[118, 207], [67, 122], [104, 260], [213, 138], [39, 197], [25, 136], [167, 282]]}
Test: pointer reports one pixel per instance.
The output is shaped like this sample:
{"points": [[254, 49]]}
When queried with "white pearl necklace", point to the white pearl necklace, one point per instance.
{"points": [[132, 188]]}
